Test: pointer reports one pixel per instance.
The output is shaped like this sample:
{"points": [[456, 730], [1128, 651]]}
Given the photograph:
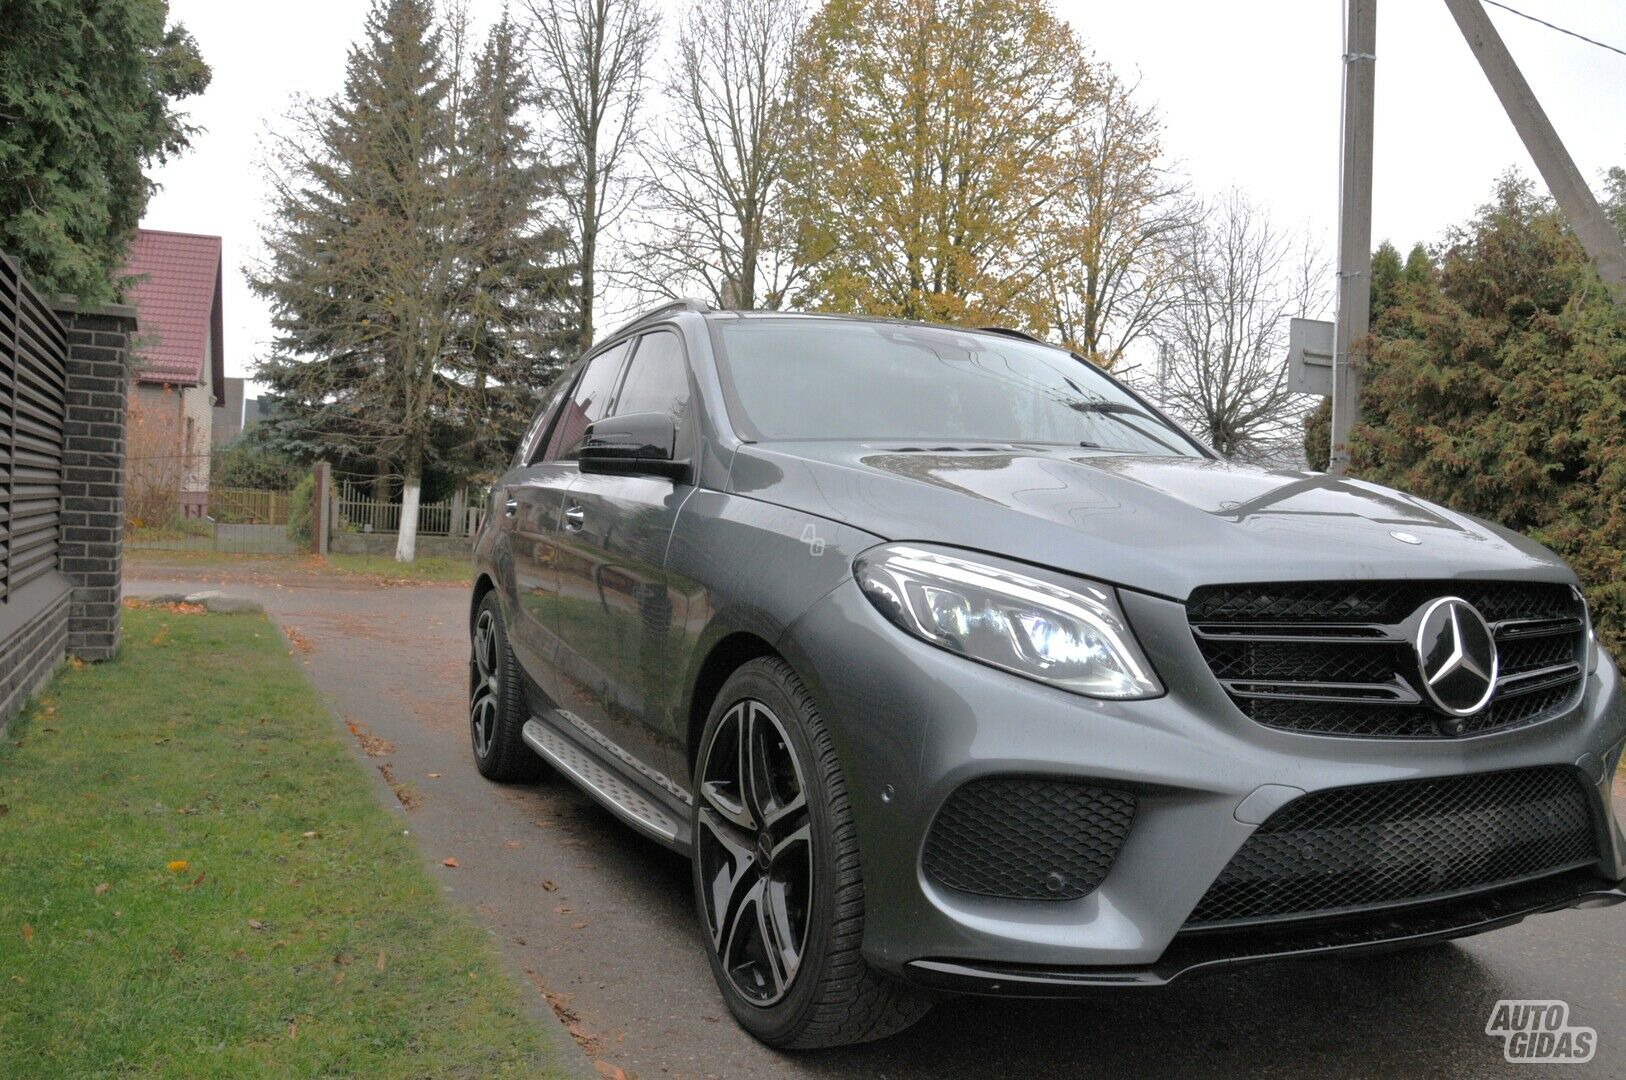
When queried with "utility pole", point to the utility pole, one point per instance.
{"points": [[1354, 222], [1564, 180]]}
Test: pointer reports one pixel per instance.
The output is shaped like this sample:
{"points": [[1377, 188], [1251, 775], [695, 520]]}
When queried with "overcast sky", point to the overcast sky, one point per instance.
{"points": [[1249, 90]]}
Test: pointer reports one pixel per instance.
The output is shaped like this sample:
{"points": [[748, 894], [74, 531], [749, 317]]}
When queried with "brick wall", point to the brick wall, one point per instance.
{"points": [[93, 475], [33, 651]]}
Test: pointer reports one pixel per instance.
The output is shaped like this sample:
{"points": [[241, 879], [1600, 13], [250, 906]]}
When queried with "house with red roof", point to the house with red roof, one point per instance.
{"points": [[178, 376]]}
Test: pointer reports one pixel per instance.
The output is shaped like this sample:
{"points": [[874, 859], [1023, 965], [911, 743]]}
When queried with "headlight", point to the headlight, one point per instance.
{"points": [[1074, 638]]}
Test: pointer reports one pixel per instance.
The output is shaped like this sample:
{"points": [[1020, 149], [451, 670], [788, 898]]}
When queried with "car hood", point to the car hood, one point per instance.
{"points": [[1159, 524]]}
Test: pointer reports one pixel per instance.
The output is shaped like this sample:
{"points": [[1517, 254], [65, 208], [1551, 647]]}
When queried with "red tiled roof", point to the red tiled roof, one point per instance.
{"points": [[176, 294]]}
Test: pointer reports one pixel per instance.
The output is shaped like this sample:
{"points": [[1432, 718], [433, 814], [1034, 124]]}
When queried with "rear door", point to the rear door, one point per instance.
{"points": [[617, 612], [533, 505]]}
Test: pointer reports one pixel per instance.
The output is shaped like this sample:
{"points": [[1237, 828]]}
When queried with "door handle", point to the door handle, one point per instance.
{"points": [[510, 508], [575, 517]]}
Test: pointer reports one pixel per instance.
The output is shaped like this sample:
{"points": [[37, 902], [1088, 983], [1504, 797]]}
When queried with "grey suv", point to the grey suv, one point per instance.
{"points": [[955, 667]]}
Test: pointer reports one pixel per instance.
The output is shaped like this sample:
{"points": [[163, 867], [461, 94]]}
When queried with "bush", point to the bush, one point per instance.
{"points": [[1496, 387], [245, 465], [299, 512]]}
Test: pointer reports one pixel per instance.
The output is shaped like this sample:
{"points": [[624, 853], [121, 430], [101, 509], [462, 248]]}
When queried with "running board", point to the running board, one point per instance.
{"points": [[601, 782]]}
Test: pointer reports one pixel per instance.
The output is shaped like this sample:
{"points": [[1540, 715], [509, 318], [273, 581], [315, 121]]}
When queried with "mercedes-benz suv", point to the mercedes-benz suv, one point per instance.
{"points": [[955, 666]]}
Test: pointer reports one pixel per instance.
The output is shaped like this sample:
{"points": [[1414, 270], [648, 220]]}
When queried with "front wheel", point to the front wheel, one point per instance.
{"points": [[497, 712], [777, 874]]}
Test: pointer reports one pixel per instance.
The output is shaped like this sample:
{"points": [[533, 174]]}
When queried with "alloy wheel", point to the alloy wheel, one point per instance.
{"points": [[485, 684], [755, 852]]}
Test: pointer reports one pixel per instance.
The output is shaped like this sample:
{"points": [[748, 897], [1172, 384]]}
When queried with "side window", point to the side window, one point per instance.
{"points": [[530, 450], [657, 379], [589, 401]]}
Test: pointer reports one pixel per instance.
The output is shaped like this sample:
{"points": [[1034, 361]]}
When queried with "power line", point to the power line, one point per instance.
{"points": [[1554, 26]]}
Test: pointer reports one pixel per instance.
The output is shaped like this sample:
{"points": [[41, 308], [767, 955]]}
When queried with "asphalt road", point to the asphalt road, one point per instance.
{"points": [[601, 922]]}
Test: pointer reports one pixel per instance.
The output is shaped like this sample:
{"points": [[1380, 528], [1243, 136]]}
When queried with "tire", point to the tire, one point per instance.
{"points": [[822, 994], [497, 711]]}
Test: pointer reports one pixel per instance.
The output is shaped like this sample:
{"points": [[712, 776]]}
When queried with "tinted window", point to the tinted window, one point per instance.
{"points": [[657, 379], [827, 379], [531, 448], [589, 401]]}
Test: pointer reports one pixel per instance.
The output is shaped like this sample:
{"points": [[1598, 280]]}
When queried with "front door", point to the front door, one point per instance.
{"points": [[533, 503], [617, 614]]}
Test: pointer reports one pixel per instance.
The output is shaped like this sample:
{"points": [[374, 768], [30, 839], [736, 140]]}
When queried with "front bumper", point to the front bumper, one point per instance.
{"points": [[913, 723]]}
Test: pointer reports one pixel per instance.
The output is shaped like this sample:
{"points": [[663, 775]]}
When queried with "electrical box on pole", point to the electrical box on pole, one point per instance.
{"points": [[1309, 357]]}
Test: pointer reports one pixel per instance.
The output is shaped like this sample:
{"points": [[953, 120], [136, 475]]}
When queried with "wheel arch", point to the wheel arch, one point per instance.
{"points": [[483, 583], [727, 656]]}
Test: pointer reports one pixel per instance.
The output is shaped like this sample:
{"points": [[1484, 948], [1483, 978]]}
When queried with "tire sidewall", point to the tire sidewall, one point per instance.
{"points": [[773, 1023]]}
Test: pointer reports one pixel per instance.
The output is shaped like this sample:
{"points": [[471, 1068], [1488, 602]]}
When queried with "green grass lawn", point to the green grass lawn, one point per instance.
{"points": [[429, 568], [196, 880]]}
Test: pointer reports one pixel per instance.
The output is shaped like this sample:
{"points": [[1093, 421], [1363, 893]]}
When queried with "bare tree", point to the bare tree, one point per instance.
{"points": [[1223, 338], [1115, 232], [713, 221], [591, 57]]}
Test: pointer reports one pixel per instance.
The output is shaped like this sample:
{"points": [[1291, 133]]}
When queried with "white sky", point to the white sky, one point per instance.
{"points": [[1249, 90]]}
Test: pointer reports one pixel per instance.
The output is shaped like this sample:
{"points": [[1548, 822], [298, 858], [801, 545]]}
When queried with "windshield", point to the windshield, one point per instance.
{"points": [[806, 378]]}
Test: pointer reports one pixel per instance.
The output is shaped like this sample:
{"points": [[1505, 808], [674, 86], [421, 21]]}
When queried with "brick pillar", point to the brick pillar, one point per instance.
{"points": [[92, 544]]}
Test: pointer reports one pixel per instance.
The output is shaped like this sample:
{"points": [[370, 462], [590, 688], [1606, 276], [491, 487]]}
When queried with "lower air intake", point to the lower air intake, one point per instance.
{"points": [[1350, 849], [1028, 839]]}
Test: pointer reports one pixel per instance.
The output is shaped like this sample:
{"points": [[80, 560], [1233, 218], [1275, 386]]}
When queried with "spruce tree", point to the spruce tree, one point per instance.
{"points": [[519, 324], [419, 292]]}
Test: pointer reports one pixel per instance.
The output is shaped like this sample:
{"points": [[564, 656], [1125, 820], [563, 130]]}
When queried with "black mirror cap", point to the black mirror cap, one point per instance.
{"points": [[635, 444]]}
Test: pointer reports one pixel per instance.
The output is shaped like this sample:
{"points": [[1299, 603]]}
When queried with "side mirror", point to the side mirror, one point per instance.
{"points": [[638, 444]]}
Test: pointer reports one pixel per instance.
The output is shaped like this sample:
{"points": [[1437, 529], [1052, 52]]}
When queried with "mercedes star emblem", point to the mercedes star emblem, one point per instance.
{"points": [[1457, 654]]}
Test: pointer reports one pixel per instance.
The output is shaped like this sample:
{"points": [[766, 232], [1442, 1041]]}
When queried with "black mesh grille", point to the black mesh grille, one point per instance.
{"points": [[1370, 685], [1374, 601], [1028, 839], [1361, 847]]}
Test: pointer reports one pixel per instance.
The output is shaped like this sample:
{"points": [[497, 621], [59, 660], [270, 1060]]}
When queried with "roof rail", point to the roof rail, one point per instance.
{"points": [[686, 303]]}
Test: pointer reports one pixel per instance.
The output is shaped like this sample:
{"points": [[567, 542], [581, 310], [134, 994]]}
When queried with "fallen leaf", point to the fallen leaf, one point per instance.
{"points": [[176, 866], [308, 835], [28, 934], [293, 1030], [434, 776], [608, 1071], [579, 926], [195, 882], [255, 924], [449, 862], [379, 966], [102, 888], [563, 909]]}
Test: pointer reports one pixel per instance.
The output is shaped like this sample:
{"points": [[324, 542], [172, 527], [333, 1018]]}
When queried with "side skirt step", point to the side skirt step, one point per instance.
{"points": [[601, 782]]}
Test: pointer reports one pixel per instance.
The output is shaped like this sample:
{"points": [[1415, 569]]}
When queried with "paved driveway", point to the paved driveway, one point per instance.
{"points": [[602, 924]]}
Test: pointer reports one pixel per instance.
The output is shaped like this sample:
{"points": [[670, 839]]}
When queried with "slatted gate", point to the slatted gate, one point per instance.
{"points": [[33, 359]]}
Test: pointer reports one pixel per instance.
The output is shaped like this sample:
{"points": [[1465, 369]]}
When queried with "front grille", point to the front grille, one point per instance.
{"points": [[1348, 849], [1028, 839], [1336, 658]]}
